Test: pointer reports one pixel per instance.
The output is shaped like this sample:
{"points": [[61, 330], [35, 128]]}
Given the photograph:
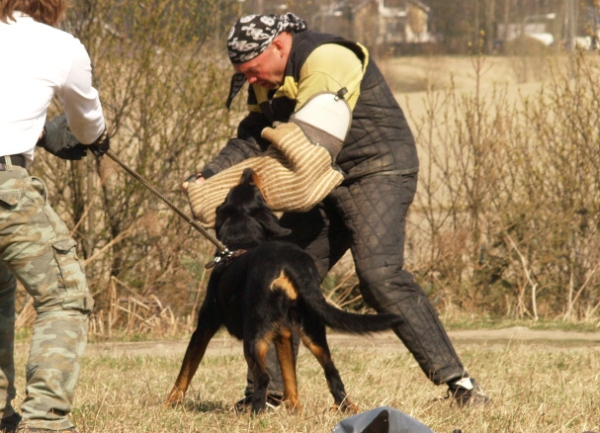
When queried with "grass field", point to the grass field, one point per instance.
{"points": [[536, 386]]}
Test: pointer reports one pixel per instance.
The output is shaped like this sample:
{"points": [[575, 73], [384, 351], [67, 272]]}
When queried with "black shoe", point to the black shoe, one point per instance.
{"points": [[10, 423], [467, 392], [273, 403]]}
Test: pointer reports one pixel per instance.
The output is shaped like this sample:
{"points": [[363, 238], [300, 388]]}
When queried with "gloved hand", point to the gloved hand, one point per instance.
{"points": [[101, 145], [59, 141]]}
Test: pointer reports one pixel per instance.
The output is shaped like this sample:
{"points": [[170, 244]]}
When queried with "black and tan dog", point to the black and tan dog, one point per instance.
{"points": [[267, 289]]}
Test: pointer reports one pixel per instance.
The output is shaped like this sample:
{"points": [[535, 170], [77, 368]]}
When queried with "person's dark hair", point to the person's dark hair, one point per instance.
{"points": [[44, 11]]}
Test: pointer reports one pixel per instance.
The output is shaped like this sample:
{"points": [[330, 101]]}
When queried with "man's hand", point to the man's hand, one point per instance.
{"points": [[59, 141], [197, 177], [101, 145]]}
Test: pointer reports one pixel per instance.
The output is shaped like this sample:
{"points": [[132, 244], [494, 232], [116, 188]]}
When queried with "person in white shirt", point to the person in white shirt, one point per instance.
{"points": [[37, 63]]}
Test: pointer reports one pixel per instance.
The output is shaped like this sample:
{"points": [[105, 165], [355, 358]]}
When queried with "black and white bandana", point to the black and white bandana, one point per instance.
{"points": [[252, 34]]}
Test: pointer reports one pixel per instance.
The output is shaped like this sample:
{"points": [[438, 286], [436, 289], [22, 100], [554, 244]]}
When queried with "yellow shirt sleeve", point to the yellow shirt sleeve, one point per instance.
{"points": [[329, 68]]}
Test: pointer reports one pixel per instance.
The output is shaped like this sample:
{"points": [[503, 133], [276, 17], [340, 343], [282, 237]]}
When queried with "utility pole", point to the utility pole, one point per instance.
{"points": [[507, 9], [571, 25], [490, 31], [477, 26]]}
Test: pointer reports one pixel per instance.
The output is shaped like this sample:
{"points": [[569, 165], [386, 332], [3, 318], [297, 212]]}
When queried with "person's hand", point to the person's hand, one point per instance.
{"points": [[59, 141], [196, 177], [101, 145]]}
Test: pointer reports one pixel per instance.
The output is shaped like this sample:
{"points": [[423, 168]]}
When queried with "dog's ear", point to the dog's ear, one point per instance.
{"points": [[270, 223]]}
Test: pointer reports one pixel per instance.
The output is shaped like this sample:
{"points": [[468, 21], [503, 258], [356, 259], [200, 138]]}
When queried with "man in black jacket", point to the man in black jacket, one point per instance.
{"points": [[286, 65]]}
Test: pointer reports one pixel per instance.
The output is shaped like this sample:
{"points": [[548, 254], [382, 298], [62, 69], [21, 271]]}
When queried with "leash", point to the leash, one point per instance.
{"points": [[223, 250]]}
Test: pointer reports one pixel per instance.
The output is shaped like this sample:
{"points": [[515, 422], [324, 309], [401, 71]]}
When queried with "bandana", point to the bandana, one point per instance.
{"points": [[253, 34]]}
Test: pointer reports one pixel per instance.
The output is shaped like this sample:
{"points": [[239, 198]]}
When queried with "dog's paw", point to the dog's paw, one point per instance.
{"points": [[175, 398], [347, 407], [294, 408]]}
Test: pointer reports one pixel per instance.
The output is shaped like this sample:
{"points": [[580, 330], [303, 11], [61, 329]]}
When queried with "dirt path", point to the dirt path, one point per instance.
{"points": [[386, 341]]}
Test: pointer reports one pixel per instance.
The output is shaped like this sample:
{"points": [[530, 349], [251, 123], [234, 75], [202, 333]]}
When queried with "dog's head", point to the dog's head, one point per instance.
{"points": [[244, 220]]}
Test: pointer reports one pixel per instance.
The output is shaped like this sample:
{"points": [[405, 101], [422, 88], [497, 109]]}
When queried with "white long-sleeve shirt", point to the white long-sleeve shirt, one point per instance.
{"points": [[38, 61]]}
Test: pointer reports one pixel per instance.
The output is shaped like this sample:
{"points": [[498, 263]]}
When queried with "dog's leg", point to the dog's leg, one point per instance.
{"points": [[255, 351], [287, 361], [208, 324], [314, 338]]}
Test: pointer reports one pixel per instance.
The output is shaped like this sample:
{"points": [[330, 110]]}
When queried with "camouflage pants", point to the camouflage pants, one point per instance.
{"points": [[37, 249]]}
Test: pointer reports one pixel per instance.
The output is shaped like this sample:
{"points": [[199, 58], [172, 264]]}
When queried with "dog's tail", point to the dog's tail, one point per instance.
{"points": [[351, 322], [333, 317]]}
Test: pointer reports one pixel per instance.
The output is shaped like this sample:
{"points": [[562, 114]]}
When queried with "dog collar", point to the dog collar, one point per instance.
{"points": [[224, 256]]}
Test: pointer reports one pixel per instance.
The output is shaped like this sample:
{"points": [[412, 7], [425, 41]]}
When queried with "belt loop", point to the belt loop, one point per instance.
{"points": [[8, 163]]}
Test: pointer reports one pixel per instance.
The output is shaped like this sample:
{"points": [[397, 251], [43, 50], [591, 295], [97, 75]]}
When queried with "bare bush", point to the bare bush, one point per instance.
{"points": [[509, 196], [505, 222]]}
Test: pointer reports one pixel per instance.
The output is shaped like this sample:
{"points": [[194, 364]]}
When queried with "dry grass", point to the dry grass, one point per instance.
{"points": [[534, 388]]}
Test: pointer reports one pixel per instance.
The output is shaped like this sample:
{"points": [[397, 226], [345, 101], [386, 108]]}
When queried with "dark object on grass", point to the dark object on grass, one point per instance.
{"points": [[383, 419]]}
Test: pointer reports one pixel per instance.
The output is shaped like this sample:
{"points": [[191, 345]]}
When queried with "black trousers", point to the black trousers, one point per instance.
{"points": [[369, 218]]}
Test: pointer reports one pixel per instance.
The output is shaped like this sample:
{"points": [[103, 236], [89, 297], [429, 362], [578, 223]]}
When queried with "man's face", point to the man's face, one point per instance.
{"points": [[267, 69]]}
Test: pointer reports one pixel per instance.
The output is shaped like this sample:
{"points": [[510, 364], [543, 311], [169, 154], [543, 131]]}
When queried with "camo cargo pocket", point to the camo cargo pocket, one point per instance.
{"points": [[74, 293], [10, 197]]}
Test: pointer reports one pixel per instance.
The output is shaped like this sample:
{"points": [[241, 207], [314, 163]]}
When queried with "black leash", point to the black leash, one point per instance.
{"points": [[223, 250]]}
